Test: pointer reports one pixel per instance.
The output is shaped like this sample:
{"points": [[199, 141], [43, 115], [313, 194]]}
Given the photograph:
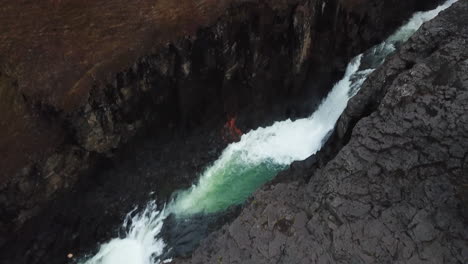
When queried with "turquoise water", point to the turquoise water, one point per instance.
{"points": [[231, 184]]}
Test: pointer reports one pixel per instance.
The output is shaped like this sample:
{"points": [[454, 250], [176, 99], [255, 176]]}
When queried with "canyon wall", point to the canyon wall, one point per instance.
{"points": [[391, 184]]}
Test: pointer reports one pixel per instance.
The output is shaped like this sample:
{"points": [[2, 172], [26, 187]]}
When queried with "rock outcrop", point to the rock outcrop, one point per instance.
{"points": [[79, 79], [394, 187]]}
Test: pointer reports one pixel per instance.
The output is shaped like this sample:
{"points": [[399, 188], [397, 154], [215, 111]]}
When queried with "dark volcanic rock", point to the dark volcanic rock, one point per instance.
{"points": [[396, 192], [79, 79]]}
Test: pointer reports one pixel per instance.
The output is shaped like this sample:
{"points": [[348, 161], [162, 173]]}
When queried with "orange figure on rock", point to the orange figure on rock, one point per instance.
{"points": [[231, 133]]}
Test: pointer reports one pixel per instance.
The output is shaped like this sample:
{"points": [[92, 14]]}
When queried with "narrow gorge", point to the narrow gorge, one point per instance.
{"points": [[153, 134]]}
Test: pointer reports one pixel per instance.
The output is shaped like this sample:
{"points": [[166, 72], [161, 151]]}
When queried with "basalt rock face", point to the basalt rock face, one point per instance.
{"points": [[78, 79], [395, 190]]}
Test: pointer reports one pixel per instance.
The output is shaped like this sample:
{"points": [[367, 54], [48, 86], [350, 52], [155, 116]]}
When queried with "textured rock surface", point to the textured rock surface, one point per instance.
{"points": [[396, 191], [78, 79]]}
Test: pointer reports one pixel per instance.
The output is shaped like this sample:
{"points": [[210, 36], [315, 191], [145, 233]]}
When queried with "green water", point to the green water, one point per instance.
{"points": [[223, 188]]}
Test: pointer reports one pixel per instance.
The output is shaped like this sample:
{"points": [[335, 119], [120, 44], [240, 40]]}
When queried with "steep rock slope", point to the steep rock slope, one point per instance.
{"points": [[78, 79], [396, 192]]}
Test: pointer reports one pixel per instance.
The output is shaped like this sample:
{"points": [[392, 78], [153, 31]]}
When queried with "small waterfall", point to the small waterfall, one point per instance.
{"points": [[256, 158], [260, 154], [141, 244]]}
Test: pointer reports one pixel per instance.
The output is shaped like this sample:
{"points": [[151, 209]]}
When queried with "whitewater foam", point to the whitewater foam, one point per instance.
{"points": [[141, 243], [266, 148]]}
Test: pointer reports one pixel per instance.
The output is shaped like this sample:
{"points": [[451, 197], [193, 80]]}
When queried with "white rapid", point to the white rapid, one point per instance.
{"points": [[249, 163], [141, 244]]}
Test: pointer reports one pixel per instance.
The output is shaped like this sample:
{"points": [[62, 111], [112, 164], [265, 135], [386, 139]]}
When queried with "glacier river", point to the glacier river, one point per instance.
{"points": [[246, 165]]}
